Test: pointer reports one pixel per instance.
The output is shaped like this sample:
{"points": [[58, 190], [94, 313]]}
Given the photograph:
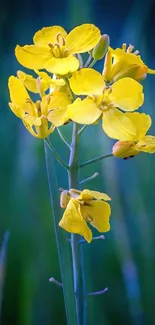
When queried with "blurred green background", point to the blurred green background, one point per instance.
{"points": [[125, 261]]}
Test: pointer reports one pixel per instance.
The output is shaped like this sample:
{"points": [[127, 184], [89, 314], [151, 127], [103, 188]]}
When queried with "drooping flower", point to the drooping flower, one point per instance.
{"points": [[55, 51], [137, 142], [120, 63], [41, 83], [37, 115], [102, 101], [82, 208]]}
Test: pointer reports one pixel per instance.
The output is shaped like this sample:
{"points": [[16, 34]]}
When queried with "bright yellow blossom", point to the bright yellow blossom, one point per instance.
{"points": [[135, 142], [82, 208], [120, 63], [55, 51], [102, 101], [36, 116], [41, 83]]}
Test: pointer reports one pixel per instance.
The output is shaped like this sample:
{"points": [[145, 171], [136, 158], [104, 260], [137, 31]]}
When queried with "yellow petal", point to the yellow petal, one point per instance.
{"points": [[62, 66], [83, 38], [127, 94], [72, 221], [124, 149], [32, 120], [118, 126], [33, 56], [83, 111], [28, 81], [48, 35], [147, 144], [141, 122], [30, 129], [57, 108], [58, 116], [59, 100], [18, 93], [99, 212], [16, 109], [89, 195], [87, 82]]}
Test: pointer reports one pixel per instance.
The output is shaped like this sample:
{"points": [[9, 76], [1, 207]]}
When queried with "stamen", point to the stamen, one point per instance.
{"points": [[66, 52], [136, 52], [130, 48], [61, 39], [124, 46], [51, 45]]}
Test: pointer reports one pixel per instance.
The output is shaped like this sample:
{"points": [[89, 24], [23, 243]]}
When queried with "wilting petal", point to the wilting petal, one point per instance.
{"points": [[18, 93], [141, 122], [147, 144], [48, 35], [127, 94], [89, 195], [83, 111], [72, 221], [118, 126], [98, 213], [33, 56], [62, 66], [87, 82], [83, 38]]}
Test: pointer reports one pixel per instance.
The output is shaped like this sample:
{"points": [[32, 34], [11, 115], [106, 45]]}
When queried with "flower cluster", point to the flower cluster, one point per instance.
{"points": [[71, 90]]}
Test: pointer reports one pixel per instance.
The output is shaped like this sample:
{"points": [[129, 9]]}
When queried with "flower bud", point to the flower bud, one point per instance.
{"points": [[134, 71], [64, 199], [124, 149], [101, 48]]}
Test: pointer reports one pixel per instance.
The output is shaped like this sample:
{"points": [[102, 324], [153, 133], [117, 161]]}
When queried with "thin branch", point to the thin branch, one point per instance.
{"points": [[58, 158], [82, 130], [89, 178], [92, 63], [97, 293], [88, 61], [59, 284], [63, 138], [91, 161], [83, 241]]}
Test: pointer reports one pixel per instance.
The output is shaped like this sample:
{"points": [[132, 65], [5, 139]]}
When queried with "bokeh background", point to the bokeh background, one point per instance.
{"points": [[125, 261]]}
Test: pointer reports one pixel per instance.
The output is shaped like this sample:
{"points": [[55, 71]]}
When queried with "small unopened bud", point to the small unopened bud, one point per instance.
{"points": [[124, 149], [134, 71], [101, 48]]}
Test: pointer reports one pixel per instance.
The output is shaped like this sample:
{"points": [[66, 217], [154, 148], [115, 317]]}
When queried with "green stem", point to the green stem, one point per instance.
{"points": [[82, 129], [61, 240], [58, 158], [92, 63], [63, 138], [91, 161], [77, 253]]}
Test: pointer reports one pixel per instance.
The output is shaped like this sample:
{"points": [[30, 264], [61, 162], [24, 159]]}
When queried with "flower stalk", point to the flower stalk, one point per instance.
{"points": [[77, 253]]}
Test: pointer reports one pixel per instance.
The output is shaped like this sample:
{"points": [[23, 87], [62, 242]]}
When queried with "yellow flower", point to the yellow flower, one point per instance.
{"points": [[83, 208], [137, 142], [36, 116], [126, 94], [120, 63], [41, 83], [55, 51]]}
